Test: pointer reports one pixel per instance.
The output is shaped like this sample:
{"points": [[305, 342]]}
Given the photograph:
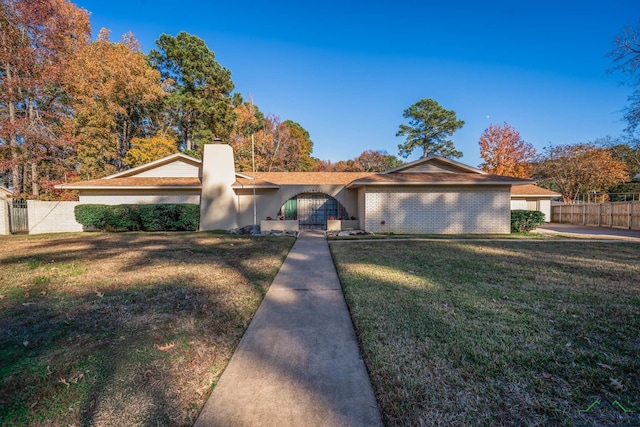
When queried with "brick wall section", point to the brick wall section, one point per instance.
{"points": [[52, 217], [4, 217], [429, 210]]}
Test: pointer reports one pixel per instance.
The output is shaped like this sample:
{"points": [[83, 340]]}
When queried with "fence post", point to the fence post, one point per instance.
{"points": [[4, 217], [571, 214], [628, 215], [610, 215]]}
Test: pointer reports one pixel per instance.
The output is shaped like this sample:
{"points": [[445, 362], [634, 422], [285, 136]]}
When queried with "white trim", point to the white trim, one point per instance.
{"points": [[428, 183], [133, 187]]}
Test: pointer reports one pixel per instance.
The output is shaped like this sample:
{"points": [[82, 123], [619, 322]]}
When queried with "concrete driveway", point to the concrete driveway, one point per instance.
{"points": [[584, 232]]}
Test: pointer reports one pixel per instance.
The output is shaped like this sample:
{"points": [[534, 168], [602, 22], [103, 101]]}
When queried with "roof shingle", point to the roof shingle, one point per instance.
{"points": [[135, 183]]}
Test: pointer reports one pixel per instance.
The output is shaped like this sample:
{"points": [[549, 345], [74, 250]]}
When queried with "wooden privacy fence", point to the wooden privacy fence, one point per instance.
{"points": [[614, 215]]}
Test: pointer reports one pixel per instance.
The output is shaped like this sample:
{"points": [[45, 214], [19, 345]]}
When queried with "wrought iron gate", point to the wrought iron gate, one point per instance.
{"points": [[313, 210], [18, 219]]}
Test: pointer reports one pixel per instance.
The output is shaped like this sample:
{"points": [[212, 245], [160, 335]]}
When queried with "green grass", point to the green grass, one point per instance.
{"points": [[495, 333], [124, 329], [393, 236]]}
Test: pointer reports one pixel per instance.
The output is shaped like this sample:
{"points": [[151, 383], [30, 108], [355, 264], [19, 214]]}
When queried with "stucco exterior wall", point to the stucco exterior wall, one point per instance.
{"points": [[431, 210], [269, 201], [4, 217], [218, 205], [542, 205], [52, 217], [142, 197]]}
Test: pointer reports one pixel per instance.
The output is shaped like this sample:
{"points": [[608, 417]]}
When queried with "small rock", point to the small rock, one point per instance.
{"points": [[252, 229]]}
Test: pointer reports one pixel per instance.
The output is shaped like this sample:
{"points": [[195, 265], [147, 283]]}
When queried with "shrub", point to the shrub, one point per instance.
{"points": [[169, 217], [162, 217], [524, 221], [92, 216]]}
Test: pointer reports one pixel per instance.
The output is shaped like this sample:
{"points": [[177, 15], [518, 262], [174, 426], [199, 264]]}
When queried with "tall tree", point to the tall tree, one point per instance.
{"points": [[579, 169], [296, 147], [145, 150], [36, 39], [430, 126], [505, 152], [113, 91], [626, 55], [199, 104], [626, 150], [375, 161], [278, 146], [367, 161], [249, 120]]}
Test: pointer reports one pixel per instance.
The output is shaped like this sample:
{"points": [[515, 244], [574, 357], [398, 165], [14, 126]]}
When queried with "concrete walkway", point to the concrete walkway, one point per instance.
{"points": [[298, 364]]}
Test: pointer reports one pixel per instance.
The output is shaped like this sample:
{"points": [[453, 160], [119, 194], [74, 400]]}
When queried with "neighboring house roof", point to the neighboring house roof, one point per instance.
{"points": [[532, 190]]}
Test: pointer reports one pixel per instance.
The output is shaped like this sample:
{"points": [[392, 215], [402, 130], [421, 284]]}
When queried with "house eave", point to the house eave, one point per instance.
{"points": [[249, 187], [128, 187], [357, 184], [534, 196]]}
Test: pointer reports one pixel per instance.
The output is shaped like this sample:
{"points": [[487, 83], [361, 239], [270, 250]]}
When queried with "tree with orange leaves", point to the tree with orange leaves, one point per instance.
{"points": [[505, 152], [112, 89], [37, 38], [578, 169]]}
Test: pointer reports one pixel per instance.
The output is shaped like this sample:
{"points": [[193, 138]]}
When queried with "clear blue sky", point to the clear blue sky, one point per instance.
{"points": [[346, 71]]}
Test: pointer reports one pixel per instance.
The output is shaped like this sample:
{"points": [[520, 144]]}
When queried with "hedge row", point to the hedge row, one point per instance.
{"points": [[524, 221], [165, 217]]}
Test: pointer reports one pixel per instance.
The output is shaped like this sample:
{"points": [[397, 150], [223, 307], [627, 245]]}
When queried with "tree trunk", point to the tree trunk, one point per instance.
{"points": [[34, 147], [35, 189], [13, 140], [25, 178]]}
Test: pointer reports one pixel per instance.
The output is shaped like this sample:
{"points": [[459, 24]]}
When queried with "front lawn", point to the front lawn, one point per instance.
{"points": [[124, 329], [496, 333]]}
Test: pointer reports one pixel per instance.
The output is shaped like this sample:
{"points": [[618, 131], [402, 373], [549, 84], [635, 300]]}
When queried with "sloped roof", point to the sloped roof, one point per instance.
{"points": [[435, 178], [152, 165], [135, 178], [432, 170], [434, 164], [532, 190], [132, 182], [435, 170], [302, 178]]}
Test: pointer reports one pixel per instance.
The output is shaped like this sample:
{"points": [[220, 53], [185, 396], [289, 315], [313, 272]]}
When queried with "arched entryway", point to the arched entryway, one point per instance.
{"points": [[312, 210]]}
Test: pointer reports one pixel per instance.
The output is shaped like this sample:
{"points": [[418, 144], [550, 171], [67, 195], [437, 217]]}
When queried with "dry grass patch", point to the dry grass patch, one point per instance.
{"points": [[495, 333], [124, 329]]}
